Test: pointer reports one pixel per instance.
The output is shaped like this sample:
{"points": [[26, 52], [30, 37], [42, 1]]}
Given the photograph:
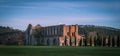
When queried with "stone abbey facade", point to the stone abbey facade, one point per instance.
{"points": [[68, 35], [58, 35]]}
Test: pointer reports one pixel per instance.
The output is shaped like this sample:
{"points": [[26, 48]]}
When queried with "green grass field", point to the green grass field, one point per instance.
{"points": [[58, 51]]}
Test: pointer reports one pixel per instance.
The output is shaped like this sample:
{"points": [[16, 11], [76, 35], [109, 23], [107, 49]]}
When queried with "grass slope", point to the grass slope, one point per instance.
{"points": [[57, 51]]}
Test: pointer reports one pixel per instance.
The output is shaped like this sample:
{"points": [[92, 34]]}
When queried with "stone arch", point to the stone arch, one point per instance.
{"points": [[42, 41], [48, 42], [67, 41], [54, 42], [61, 41]]}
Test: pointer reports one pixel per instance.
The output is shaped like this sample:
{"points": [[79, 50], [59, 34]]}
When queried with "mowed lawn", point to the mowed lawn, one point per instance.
{"points": [[58, 51]]}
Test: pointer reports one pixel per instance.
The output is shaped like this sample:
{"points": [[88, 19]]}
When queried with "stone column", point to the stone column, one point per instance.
{"points": [[58, 30], [93, 44], [28, 34], [33, 41], [61, 41], [78, 38], [57, 41], [51, 41], [46, 31], [73, 41], [53, 31], [82, 41], [76, 28], [67, 41], [115, 41], [106, 41], [29, 39]]}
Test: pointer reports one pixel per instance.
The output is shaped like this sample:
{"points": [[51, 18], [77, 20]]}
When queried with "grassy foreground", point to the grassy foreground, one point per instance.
{"points": [[58, 51]]}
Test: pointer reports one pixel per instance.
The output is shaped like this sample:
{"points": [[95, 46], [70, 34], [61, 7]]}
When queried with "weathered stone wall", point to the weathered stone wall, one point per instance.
{"points": [[67, 35], [70, 36], [60, 35]]}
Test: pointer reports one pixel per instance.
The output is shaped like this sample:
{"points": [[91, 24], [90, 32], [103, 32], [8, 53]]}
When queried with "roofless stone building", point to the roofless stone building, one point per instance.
{"points": [[58, 35]]}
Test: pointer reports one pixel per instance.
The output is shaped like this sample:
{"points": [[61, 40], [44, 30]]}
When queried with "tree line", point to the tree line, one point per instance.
{"points": [[100, 35], [10, 36]]}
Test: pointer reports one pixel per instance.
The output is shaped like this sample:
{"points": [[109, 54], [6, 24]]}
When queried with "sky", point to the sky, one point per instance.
{"points": [[19, 13]]}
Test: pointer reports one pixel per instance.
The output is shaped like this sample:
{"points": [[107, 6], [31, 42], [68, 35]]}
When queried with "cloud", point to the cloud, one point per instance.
{"points": [[63, 4]]}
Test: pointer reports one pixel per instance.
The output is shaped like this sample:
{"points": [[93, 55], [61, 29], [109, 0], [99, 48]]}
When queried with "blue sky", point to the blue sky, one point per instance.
{"points": [[19, 13]]}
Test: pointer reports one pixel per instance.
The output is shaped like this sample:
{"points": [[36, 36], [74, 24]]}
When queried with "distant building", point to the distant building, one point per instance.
{"points": [[58, 35]]}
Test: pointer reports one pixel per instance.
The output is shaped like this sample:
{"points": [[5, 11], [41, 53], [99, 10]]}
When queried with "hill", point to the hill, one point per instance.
{"points": [[10, 36]]}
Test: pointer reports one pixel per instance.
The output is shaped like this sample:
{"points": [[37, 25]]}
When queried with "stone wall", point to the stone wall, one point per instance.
{"points": [[59, 35], [70, 36]]}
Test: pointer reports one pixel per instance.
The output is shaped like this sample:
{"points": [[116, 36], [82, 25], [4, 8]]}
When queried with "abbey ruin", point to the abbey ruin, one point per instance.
{"points": [[67, 35], [59, 35]]}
